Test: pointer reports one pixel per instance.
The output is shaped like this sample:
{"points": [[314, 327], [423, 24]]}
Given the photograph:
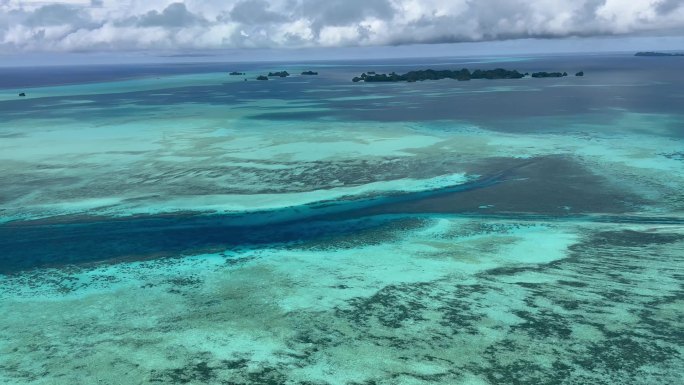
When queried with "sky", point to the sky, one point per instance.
{"points": [[34, 29]]}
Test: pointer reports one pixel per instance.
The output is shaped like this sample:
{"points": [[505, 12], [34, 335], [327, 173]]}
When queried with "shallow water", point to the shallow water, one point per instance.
{"points": [[173, 224]]}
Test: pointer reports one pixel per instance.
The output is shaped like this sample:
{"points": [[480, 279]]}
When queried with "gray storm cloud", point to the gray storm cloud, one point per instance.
{"points": [[82, 25]]}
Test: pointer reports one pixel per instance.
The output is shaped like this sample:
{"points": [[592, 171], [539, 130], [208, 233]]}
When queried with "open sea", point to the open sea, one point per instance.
{"points": [[172, 224]]}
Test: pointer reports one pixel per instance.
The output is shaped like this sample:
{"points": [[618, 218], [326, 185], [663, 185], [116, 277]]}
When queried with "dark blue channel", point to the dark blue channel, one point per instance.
{"points": [[30, 245]]}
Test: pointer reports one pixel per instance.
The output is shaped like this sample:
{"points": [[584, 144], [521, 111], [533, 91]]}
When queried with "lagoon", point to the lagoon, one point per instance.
{"points": [[174, 224]]}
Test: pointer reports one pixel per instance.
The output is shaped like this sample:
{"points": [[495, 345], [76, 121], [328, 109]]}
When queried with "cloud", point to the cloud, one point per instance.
{"points": [[83, 25], [53, 14], [175, 15], [346, 12], [664, 7], [254, 12]]}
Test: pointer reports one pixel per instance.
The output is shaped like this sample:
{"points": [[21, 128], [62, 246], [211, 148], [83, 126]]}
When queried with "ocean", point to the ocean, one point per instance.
{"points": [[173, 224]]}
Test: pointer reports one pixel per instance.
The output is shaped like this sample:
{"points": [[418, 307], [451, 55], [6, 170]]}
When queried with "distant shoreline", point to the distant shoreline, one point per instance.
{"points": [[658, 54]]}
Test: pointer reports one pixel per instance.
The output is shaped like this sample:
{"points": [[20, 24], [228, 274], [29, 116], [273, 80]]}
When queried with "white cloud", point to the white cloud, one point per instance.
{"points": [[331, 36], [82, 25]]}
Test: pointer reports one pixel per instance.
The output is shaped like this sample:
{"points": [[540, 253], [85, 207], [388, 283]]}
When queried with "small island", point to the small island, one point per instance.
{"points": [[658, 54], [460, 75], [280, 74], [262, 77], [309, 73], [549, 74], [234, 73], [22, 94]]}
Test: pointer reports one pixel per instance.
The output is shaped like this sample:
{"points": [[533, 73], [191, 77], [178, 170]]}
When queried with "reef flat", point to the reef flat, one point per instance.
{"points": [[188, 227]]}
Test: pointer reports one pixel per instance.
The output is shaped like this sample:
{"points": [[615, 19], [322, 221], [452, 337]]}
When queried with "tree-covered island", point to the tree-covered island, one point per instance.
{"points": [[279, 74], [460, 75], [309, 73], [550, 74], [658, 54]]}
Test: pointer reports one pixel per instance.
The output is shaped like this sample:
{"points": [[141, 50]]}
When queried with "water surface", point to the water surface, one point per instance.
{"points": [[173, 224]]}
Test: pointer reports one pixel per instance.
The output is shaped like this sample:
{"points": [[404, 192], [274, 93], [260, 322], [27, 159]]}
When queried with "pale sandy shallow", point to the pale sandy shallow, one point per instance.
{"points": [[550, 293]]}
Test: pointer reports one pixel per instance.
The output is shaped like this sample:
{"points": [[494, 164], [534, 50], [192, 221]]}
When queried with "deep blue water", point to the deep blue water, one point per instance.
{"points": [[622, 82]]}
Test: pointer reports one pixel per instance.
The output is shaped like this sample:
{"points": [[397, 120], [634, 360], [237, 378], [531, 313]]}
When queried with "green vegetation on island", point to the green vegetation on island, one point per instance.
{"points": [[658, 54], [309, 73], [22, 94], [234, 73], [281, 74], [461, 75], [262, 77], [549, 74]]}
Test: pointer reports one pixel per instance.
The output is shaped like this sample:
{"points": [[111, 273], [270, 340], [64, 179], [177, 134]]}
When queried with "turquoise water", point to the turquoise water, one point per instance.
{"points": [[177, 225]]}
